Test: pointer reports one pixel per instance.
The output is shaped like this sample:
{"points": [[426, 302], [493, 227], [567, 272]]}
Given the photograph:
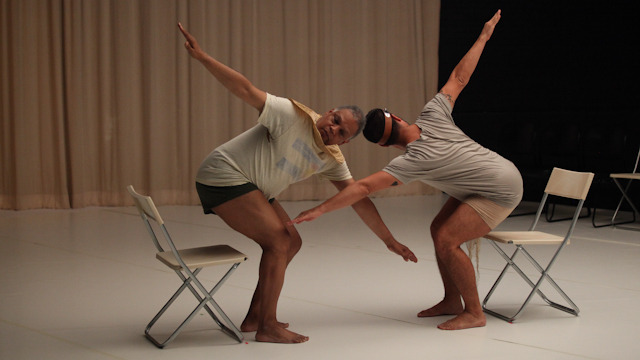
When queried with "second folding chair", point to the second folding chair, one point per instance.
{"points": [[562, 183]]}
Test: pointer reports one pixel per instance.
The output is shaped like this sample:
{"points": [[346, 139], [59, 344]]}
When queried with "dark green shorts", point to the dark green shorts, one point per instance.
{"points": [[212, 196]]}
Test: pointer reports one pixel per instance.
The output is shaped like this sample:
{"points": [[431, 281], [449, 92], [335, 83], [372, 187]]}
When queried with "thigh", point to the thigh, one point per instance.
{"points": [[458, 223], [492, 213], [252, 215]]}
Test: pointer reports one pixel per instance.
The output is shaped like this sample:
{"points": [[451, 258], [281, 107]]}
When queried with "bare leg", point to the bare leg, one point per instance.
{"points": [[251, 321], [252, 216], [449, 232], [452, 302]]}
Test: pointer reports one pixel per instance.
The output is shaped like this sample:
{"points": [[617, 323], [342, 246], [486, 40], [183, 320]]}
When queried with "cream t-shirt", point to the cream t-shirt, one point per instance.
{"points": [[279, 151]]}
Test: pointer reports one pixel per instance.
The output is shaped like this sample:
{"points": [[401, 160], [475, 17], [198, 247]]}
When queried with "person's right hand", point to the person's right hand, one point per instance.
{"points": [[191, 44]]}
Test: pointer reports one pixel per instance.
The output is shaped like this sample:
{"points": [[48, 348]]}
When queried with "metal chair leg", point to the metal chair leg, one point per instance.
{"points": [[535, 286], [203, 302], [634, 209]]}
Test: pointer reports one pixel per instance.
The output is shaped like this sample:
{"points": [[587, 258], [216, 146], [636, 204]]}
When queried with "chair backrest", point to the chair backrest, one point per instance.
{"points": [[148, 210], [569, 184], [145, 205]]}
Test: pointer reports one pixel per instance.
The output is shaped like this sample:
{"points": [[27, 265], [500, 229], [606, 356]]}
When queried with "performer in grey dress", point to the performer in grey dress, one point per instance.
{"points": [[484, 187]]}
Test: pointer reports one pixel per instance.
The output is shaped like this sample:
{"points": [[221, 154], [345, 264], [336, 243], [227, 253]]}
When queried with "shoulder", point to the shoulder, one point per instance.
{"points": [[277, 110], [442, 101], [278, 103], [439, 107]]}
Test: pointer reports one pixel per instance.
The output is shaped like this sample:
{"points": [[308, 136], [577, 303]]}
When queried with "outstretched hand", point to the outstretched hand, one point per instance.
{"points": [[490, 25], [395, 246], [308, 215], [191, 44], [403, 251]]}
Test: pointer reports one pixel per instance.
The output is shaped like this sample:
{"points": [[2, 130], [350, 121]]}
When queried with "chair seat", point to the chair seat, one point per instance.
{"points": [[524, 237], [632, 176], [202, 256]]}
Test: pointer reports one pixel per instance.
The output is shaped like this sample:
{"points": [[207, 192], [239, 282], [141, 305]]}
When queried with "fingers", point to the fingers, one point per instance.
{"points": [[490, 25], [403, 251], [188, 36], [410, 256], [183, 31], [496, 17], [302, 217]]}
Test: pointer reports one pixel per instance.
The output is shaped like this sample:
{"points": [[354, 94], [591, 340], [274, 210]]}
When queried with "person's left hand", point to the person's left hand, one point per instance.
{"points": [[403, 251]]}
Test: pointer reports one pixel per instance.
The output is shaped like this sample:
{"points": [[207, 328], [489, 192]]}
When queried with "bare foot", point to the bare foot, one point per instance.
{"points": [[464, 321], [442, 308], [251, 326], [277, 334]]}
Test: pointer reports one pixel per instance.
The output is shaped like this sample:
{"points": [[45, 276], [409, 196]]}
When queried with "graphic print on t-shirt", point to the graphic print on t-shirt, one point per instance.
{"points": [[308, 154]]}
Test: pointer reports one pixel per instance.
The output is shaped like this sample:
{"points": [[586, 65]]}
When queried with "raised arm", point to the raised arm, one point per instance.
{"points": [[234, 81], [461, 74]]}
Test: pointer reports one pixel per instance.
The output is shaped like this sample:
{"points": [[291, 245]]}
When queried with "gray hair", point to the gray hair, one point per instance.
{"points": [[358, 115]]}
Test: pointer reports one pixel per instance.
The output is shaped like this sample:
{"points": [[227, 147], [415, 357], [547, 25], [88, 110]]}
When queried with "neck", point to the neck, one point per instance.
{"points": [[409, 134]]}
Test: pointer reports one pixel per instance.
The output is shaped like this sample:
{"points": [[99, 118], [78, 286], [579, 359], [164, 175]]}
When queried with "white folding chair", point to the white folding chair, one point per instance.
{"points": [[563, 183], [635, 175], [187, 264]]}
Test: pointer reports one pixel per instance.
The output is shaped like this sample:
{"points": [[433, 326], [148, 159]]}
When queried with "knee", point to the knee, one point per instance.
{"points": [[295, 244], [441, 241], [283, 244], [277, 245]]}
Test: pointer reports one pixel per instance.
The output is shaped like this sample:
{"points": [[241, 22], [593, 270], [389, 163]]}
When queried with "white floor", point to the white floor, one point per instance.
{"points": [[82, 284]]}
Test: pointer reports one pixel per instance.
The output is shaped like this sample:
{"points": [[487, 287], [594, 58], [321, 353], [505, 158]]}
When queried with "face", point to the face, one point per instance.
{"points": [[337, 126]]}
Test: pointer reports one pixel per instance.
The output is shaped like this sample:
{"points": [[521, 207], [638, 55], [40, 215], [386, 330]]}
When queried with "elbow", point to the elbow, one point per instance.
{"points": [[361, 199], [461, 79], [365, 189]]}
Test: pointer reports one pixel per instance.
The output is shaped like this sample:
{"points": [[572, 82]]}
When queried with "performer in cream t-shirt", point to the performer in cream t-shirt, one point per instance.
{"points": [[239, 180], [281, 150]]}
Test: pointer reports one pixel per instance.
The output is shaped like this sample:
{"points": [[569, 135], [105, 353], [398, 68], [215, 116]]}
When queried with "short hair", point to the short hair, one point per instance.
{"points": [[358, 115], [374, 129]]}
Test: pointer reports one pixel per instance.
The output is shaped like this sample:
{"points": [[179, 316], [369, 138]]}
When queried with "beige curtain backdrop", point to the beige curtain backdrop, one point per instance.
{"points": [[99, 94]]}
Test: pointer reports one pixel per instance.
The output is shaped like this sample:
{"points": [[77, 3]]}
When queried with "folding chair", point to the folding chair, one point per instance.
{"points": [[187, 264], [563, 183], [635, 175]]}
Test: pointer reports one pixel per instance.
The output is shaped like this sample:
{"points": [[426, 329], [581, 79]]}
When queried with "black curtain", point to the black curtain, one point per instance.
{"points": [[557, 85]]}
